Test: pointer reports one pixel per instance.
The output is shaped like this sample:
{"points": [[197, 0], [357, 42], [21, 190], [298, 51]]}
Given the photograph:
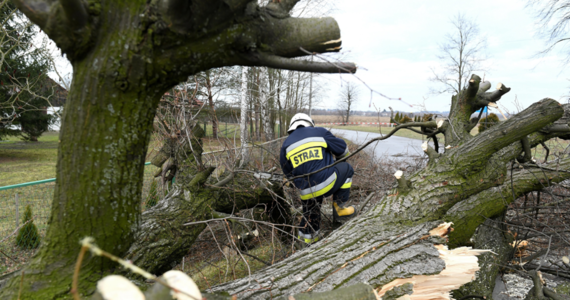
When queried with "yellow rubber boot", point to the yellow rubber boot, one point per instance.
{"points": [[342, 213]]}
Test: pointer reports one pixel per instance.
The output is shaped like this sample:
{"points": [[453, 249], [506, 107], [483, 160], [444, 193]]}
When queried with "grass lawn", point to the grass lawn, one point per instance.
{"points": [[28, 161]]}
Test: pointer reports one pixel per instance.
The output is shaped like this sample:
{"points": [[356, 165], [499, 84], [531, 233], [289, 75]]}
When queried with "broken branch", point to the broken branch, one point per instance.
{"points": [[274, 61]]}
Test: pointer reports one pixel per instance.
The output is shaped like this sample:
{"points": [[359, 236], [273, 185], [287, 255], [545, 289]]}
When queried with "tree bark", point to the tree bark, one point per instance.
{"points": [[243, 117], [492, 234], [213, 116], [163, 238]]}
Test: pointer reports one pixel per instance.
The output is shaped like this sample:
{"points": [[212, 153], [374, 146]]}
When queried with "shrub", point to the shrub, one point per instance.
{"points": [[28, 236], [405, 119], [426, 117], [488, 122]]}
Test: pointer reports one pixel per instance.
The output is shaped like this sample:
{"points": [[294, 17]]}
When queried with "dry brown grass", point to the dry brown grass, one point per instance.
{"points": [[334, 118]]}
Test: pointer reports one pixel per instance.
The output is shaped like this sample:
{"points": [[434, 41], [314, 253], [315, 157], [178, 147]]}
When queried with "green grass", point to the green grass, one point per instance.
{"points": [[28, 161]]}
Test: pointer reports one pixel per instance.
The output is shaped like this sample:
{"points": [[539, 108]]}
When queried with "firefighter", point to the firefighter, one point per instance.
{"points": [[308, 149]]}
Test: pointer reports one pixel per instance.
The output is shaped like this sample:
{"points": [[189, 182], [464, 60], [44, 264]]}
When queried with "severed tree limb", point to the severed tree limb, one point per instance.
{"points": [[483, 87], [274, 61], [537, 291], [473, 86], [494, 96], [285, 5], [552, 294]]}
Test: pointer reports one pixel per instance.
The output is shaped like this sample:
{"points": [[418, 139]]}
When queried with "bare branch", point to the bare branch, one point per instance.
{"points": [[225, 181]]}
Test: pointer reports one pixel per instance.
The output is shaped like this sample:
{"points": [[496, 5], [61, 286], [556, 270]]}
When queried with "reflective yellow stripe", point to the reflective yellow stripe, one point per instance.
{"points": [[306, 146], [346, 185], [308, 241], [319, 192], [306, 155]]}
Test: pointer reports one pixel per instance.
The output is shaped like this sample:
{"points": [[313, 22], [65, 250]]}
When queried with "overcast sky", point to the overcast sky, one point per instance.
{"points": [[397, 42]]}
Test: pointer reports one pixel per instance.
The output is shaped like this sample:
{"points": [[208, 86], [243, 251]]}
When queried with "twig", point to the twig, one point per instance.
{"points": [[8, 256], [545, 255], [21, 284], [74, 283], [16, 230], [252, 256]]}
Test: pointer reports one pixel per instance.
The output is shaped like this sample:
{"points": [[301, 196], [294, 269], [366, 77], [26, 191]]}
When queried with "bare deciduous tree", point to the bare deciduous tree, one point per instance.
{"points": [[348, 97], [460, 54], [552, 18]]}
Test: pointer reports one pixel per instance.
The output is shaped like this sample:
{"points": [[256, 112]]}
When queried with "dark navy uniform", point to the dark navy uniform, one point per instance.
{"points": [[306, 150]]}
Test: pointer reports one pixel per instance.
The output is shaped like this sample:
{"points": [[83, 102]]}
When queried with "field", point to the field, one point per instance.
{"points": [[24, 162], [333, 118]]}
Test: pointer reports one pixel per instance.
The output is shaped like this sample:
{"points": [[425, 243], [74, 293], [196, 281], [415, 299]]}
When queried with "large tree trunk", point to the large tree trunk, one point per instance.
{"points": [[106, 129]]}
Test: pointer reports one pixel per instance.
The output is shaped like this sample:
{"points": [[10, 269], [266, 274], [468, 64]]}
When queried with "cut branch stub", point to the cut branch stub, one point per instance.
{"points": [[184, 288], [473, 86], [116, 287], [485, 99], [431, 153], [403, 184]]}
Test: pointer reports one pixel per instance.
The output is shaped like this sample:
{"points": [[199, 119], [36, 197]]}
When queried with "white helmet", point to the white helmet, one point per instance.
{"points": [[300, 119]]}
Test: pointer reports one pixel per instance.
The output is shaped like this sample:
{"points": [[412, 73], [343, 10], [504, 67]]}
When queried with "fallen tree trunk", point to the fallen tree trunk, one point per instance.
{"points": [[468, 183], [397, 244]]}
